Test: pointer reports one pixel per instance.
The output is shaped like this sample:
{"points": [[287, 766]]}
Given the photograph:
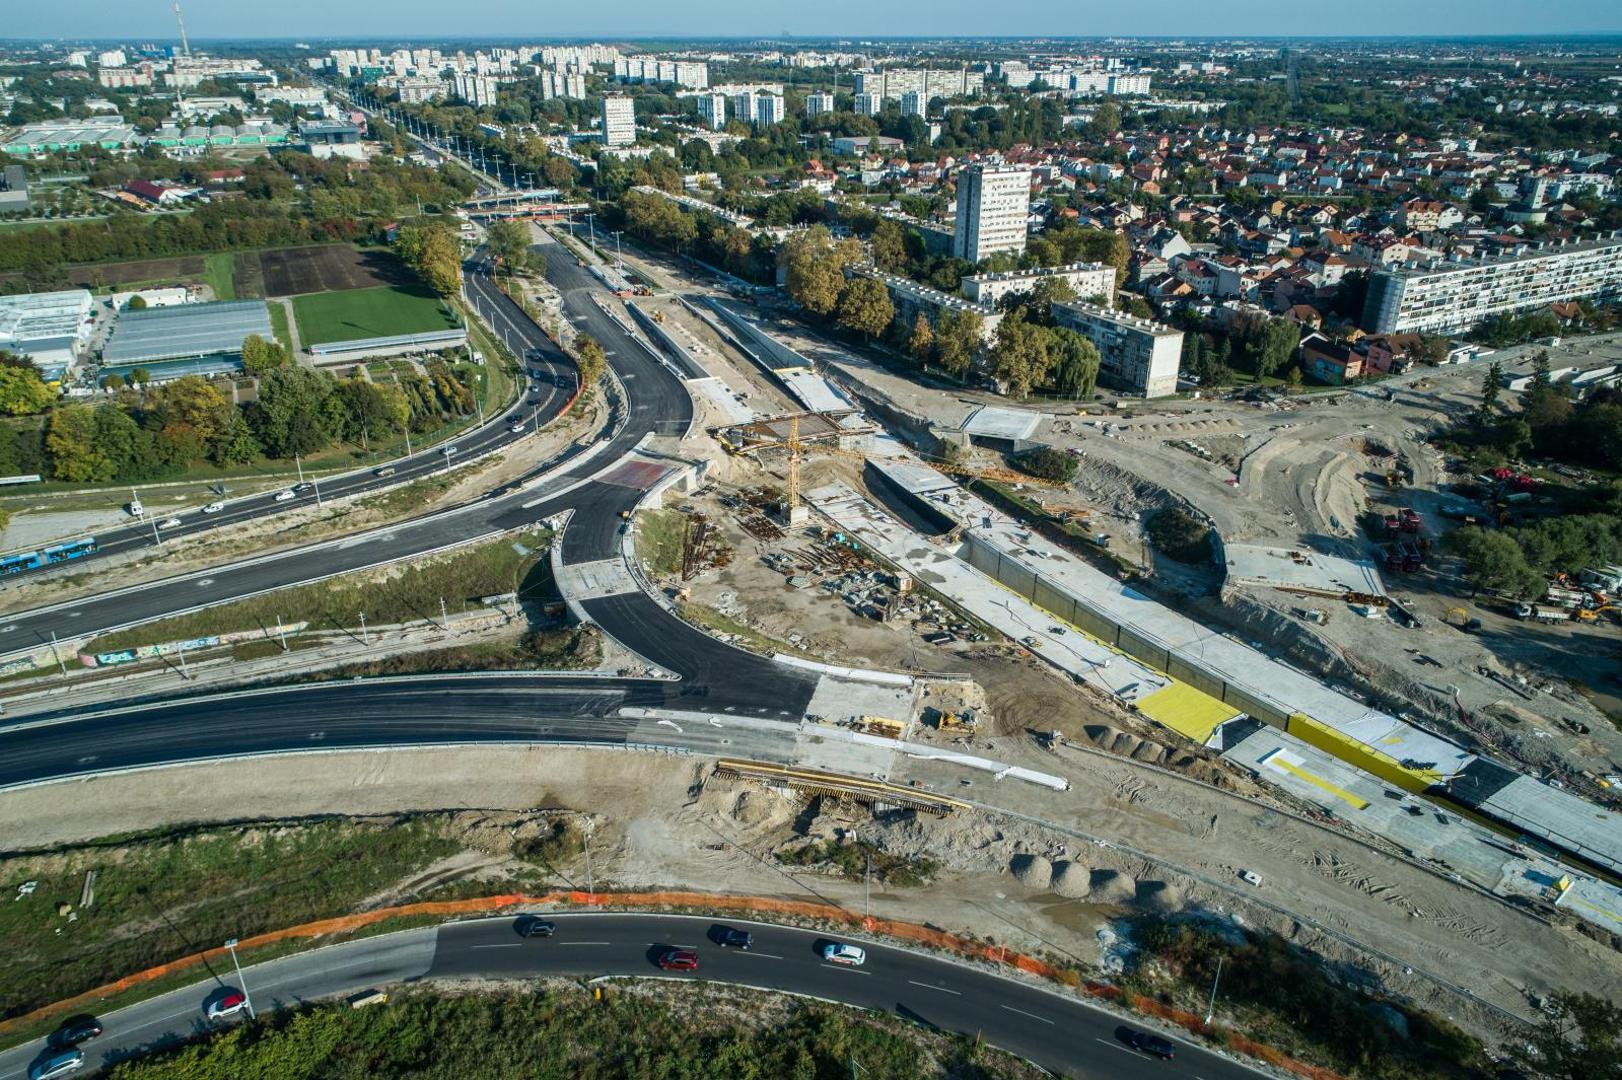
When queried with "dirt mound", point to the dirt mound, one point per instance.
{"points": [[1161, 896], [1072, 880], [1113, 740], [1032, 870], [753, 808], [1112, 887]]}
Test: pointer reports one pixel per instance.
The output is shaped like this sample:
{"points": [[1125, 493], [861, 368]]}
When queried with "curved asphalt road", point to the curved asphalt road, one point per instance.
{"points": [[715, 677], [1059, 1032]]}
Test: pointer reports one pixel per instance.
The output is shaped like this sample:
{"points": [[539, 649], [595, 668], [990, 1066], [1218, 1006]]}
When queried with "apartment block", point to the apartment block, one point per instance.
{"points": [[1447, 297], [911, 299], [868, 104], [992, 205], [816, 104], [1137, 356], [619, 120], [769, 109], [712, 109], [1086, 279]]}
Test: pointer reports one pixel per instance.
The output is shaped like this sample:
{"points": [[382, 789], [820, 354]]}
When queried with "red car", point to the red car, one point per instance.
{"points": [[228, 1004], [679, 960]]}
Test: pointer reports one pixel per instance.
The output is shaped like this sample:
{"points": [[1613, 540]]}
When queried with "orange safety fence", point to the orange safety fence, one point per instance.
{"points": [[757, 905]]}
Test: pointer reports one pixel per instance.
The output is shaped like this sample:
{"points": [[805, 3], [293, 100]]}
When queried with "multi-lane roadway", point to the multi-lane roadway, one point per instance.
{"points": [[1056, 1031]]}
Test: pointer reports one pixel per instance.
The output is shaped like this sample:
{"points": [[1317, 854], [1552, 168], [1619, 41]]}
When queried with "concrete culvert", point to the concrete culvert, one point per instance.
{"points": [[1072, 880], [1032, 870], [1113, 887]]}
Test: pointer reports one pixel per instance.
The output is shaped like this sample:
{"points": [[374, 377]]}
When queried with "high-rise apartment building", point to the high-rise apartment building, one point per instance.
{"points": [[992, 206], [816, 104], [913, 103], [769, 109], [477, 90], [712, 109], [868, 104], [1137, 355], [1446, 297], [619, 121]]}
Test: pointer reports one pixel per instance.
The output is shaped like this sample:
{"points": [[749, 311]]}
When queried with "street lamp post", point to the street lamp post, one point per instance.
{"points": [[1210, 1008], [231, 944]]}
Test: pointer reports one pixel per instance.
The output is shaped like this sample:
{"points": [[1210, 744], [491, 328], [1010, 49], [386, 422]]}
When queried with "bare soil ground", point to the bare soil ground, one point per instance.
{"points": [[182, 269], [328, 268]]}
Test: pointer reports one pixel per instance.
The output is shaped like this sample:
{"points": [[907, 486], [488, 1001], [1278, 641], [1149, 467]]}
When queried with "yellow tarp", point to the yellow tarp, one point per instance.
{"points": [[1320, 783], [1361, 755], [1186, 710]]}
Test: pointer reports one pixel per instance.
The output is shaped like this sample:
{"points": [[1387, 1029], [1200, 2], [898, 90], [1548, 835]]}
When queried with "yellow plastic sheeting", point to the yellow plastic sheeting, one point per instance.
{"points": [[1361, 755], [1321, 784], [1187, 711]]}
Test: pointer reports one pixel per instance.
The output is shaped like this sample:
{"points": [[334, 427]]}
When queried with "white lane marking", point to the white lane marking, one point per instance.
{"points": [[1116, 1046], [942, 989], [767, 955], [846, 967], [503, 945], [585, 943], [1033, 1016]]}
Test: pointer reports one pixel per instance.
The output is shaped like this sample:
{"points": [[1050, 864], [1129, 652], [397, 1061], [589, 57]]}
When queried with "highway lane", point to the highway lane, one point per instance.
{"points": [[1059, 1032]]}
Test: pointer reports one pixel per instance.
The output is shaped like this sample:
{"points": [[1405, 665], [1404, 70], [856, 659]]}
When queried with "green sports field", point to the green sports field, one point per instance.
{"points": [[366, 313]]}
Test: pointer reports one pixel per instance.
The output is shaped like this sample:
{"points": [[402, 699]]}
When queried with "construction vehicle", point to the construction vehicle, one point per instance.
{"points": [[955, 720], [1541, 613]]}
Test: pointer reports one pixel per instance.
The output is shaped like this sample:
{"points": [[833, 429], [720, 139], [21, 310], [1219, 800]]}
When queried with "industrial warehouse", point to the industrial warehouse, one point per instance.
{"points": [[188, 339]]}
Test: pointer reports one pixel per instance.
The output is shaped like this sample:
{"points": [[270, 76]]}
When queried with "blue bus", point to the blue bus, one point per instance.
{"points": [[56, 553]]}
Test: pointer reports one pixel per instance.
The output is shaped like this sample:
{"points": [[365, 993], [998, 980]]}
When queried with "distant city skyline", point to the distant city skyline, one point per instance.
{"points": [[153, 19]]}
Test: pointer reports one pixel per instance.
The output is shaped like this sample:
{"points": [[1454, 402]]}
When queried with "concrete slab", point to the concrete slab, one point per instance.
{"points": [[845, 699], [722, 397], [995, 422], [590, 580], [1302, 571]]}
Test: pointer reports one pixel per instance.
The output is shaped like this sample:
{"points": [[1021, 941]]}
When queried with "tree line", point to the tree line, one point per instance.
{"points": [[143, 433]]}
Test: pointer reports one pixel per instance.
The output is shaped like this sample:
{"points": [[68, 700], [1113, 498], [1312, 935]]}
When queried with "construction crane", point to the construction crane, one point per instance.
{"points": [[185, 46]]}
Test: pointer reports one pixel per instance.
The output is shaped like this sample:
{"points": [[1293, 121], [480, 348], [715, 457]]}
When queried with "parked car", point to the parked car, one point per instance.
{"points": [[213, 508], [1150, 1043], [836, 952], [286, 496], [678, 960], [59, 1064], [534, 926], [227, 1004]]}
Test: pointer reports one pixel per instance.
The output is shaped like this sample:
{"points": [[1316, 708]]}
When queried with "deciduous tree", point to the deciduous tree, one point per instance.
{"points": [[865, 307]]}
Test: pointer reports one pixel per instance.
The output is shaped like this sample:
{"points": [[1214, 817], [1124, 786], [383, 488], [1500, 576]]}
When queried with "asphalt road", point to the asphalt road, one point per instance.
{"points": [[1058, 1032]]}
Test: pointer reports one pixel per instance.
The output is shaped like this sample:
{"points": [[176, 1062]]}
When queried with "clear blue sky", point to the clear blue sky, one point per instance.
{"points": [[538, 20]]}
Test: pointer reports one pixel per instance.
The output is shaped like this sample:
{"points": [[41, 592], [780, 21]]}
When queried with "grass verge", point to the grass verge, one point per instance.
{"points": [[159, 896], [636, 1030], [397, 594], [661, 536]]}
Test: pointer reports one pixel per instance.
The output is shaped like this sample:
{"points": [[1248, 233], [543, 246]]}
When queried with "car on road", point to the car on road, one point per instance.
{"points": [[286, 496], [1149, 1043], [838, 952], [732, 937], [678, 960], [227, 1004], [169, 523], [448, 451], [386, 470], [517, 427], [213, 508], [534, 926], [78, 1029], [302, 487], [59, 1064]]}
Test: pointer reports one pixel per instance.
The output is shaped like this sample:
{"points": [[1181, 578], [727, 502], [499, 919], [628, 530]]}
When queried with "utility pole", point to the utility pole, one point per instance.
{"points": [[298, 463], [56, 653], [619, 263], [444, 616], [1210, 1008], [365, 639], [183, 672], [867, 888], [591, 886], [281, 632], [231, 944]]}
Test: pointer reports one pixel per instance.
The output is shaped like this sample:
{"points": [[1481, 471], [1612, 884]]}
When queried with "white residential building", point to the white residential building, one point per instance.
{"points": [[868, 104], [769, 109], [1445, 297], [477, 90], [913, 103], [619, 121], [712, 108], [1086, 279], [817, 104], [1136, 355], [992, 206]]}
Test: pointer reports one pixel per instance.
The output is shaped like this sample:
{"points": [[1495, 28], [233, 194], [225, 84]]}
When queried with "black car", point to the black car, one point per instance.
{"points": [[534, 926], [1153, 1044], [76, 1030], [737, 939]]}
